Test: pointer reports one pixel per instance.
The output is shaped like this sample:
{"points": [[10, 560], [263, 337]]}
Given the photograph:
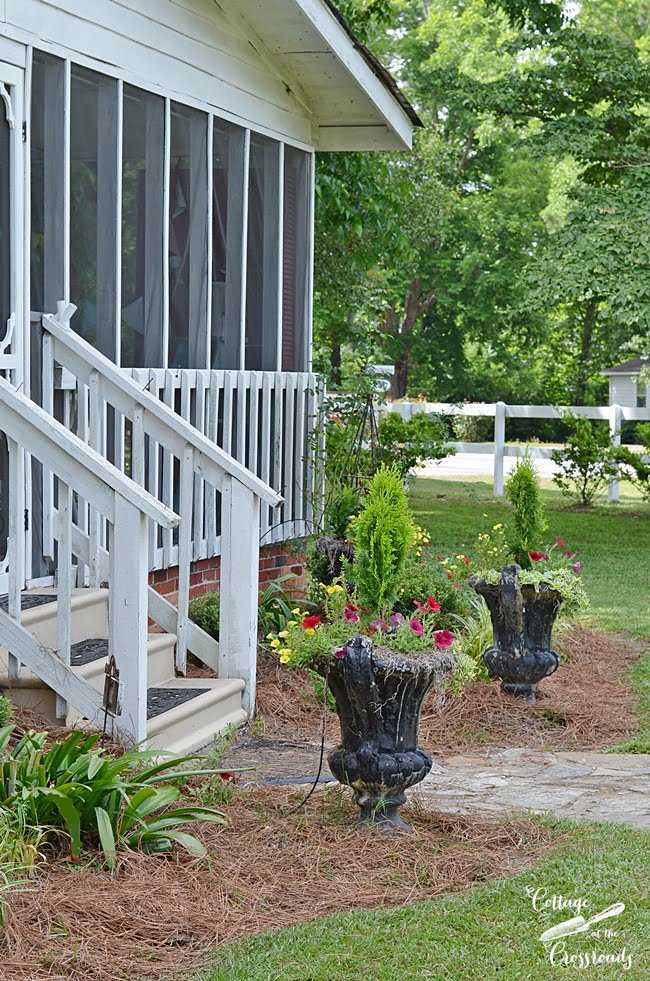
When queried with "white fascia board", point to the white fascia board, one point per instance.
{"points": [[342, 47]]}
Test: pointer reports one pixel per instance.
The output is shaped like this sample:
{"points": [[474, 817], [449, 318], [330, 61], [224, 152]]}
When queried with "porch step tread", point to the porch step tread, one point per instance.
{"points": [[29, 601], [87, 651], [161, 700]]}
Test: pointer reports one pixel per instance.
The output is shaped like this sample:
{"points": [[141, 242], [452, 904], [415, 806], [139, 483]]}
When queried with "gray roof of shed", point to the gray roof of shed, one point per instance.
{"points": [[632, 367]]}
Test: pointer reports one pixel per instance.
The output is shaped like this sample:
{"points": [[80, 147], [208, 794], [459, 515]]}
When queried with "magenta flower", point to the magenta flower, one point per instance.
{"points": [[378, 627], [339, 652], [397, 619], [443, 638], [416, 626], [577, 567], [351, 615]]}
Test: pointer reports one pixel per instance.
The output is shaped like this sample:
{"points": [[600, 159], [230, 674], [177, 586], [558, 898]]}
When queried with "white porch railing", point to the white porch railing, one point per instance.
{"points": [[499, 411], [77, 470], [266, 421], [163, 453]]}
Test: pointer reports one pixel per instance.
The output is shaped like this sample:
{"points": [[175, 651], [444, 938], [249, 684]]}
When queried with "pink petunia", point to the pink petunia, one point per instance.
{"points": [[416, 626], [378, 627], [535, 556], [350, 614], [397, 619], [577, 567], [339, 652], [443, 638], [559, 542]]}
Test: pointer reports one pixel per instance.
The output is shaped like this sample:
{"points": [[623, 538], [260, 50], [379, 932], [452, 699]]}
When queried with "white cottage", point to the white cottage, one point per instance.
{"points": [[628, 386], [156, 397]]}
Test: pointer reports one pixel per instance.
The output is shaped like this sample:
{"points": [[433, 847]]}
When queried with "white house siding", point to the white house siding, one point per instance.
{"points": [[192, 50], [623, 390]]}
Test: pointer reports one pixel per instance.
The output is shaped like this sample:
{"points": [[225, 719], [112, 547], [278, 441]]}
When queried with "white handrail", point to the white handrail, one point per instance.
{"points": [[127, 507], [162, 423], [73, 460]]}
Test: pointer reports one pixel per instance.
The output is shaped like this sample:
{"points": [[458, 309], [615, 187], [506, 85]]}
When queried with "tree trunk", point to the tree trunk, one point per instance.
{"points": [[335, 373], [416, 304], [584, 354]]}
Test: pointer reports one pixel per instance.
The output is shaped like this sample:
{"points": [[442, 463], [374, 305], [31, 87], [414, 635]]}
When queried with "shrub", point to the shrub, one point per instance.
{"points": [[588, 461], [78, 790], [384, 532], [427, 576], [524, 492], [636, 469], [204, 611], [406, 444]]}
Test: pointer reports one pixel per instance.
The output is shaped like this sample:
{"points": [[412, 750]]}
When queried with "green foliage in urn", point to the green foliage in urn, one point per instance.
{"points": [[529, 525], [384, 533]]}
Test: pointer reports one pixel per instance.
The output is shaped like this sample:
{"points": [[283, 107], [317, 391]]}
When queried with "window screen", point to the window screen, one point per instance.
{"points": [[296, 223], [262, 284]]}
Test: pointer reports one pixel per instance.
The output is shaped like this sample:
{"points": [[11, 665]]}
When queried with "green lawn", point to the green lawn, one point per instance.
{"points": [[487, 932], [613, 540]]}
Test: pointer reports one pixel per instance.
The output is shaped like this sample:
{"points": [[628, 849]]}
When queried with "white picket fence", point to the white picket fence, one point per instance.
{"points": [[500, 412]]}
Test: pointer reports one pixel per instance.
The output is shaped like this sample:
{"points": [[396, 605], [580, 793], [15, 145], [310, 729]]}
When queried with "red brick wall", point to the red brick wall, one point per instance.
{"points": [[275, 561]]}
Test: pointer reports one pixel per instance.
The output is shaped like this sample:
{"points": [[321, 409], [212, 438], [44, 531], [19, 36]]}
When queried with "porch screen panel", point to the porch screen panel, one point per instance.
{"points": [[228, 180], [295, 264], [188, 239], [47, 252], [262, 283], [143, 145], [94, 207], [5, 309]]}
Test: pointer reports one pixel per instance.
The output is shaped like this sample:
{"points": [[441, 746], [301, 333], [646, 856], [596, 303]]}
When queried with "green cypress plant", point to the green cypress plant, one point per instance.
{"points": [[384, 532], [529, 524]]}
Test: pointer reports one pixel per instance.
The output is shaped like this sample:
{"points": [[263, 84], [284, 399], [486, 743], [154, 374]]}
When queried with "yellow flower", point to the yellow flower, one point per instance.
{"points": [[292, 623], [270, 636], [275, 643], [309, 630], [496, 527], [283, 634], [296, 612], [285, 658]]}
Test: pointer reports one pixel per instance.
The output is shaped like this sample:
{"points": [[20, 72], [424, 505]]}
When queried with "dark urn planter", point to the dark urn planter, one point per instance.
{"points": [[379, 697], [522, 618]]}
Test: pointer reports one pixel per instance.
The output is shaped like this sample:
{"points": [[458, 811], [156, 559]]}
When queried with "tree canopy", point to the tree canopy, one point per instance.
{"points": [[507, 255]]}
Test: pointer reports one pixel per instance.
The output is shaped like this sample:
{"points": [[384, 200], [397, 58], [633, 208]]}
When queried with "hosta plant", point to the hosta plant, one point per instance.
{"points": [[81, 791]]}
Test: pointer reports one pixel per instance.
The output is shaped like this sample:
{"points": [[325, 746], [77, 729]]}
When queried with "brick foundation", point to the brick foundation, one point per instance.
{"points": [[205, 575]]}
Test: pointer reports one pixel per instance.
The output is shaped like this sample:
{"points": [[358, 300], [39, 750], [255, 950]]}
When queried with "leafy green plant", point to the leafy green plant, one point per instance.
{"points": [[204, 611], [636, 468], [5, 710], [79, 790], [384, 532], [474, 633], [408, 443], [524, 492], [587, 462], [431, 575], [275, 603]]}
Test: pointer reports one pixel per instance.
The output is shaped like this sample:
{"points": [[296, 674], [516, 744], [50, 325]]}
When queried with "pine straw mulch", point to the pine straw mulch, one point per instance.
{"points": [[268, 869], [586, 704]]}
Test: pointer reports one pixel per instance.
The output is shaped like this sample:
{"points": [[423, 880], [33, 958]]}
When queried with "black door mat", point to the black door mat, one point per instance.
{"points": [[29, 601], [161, 700], [87, 651]]}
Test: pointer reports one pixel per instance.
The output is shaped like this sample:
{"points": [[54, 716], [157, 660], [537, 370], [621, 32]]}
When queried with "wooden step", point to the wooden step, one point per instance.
{"points": [[185, 714]]}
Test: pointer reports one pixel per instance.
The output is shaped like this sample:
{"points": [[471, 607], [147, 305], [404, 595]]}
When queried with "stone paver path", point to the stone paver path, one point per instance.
{"points": [[596, 786]]}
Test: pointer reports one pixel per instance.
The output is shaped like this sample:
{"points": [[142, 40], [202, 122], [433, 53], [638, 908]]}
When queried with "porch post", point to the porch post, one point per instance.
{"points": [[127, 628], [240, 522]]}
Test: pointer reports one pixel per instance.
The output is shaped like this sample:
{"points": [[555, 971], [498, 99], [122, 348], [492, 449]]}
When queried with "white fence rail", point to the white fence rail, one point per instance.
{"points": [[501, 412]]}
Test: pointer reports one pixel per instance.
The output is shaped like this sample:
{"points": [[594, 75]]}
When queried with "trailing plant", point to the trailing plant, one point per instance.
{"points": [[384, 532], [529, 524], [80, 791], [205, 611], [587, 462]]}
